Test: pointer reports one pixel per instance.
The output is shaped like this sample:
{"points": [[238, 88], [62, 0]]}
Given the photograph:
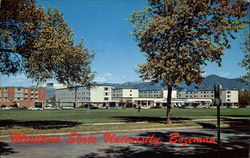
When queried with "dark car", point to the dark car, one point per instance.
{"points": [[156, 107], [93, 107]]}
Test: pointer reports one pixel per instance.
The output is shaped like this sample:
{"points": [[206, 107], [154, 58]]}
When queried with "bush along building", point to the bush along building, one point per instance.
{"points": [[21, 96]]}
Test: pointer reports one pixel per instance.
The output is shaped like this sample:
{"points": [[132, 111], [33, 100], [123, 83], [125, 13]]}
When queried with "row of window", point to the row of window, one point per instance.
{"points": [[200, 92], [199, 96]]}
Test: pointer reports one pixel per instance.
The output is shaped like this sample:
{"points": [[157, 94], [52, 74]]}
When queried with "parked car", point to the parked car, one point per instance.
{"points": [[234, 107], [34, 108], [8, 108], [51, 108], [156, 107], [223, 107], [93, 107], [119, 107], [187, 107], [202, 106], [67, 107]]}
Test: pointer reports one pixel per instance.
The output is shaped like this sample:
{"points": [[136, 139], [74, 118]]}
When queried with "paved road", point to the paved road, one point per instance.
{"points": [[235, 143]]}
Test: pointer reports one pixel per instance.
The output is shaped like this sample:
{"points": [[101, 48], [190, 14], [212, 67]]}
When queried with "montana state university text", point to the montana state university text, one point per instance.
{"points": [[108, 138]]}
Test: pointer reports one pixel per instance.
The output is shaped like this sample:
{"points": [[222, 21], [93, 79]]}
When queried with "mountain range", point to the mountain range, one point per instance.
{"points": [[207, 84]]}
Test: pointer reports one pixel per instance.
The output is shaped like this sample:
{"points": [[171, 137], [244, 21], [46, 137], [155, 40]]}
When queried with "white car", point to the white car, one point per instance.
{"points": [[34, 108], [51, 108], [234, 107], [7, 108], [68, 107]]}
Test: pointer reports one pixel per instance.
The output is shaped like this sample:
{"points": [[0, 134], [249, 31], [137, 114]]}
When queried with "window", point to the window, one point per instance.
{"points": [[228, 100], [106, 98], [228, 96], [106, 88], [130, 90], [130, 95], [106, 94], [228, 92]]}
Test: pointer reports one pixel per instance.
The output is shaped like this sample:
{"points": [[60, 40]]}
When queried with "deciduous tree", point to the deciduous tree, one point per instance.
{"points": [[179, 36], [39, 43], [245, 63]]}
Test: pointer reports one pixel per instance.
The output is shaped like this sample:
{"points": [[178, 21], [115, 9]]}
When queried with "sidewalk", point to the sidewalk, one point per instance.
{"points": [[174, 121]]}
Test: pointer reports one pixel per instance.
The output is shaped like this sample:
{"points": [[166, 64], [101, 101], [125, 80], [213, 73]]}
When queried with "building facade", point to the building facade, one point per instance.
{"points": [[227, 96], [125, 93], [102, 95], [20, 96], [156, 94], [98, 95]]}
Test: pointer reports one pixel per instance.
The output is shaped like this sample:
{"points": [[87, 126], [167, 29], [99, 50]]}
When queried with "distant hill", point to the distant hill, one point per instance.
{"points": [[207, 84], [50, 91]]}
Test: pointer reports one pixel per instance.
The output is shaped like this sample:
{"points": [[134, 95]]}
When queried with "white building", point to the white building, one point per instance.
{"points": [[125, 93], [124, 96], [131, 97], [227, 96], [101, 95], [98, 95]]}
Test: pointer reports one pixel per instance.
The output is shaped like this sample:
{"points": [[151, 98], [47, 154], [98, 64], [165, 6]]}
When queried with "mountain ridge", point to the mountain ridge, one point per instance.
{"points": [[207, 84]]}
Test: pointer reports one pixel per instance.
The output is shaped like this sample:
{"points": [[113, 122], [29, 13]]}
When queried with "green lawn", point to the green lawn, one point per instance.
{"points": [[126, 115], [63, 121]]}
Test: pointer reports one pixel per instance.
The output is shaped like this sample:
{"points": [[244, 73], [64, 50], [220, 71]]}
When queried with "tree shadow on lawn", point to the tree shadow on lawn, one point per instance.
{"points": [[240, 126], [45, 124], [207, 125], [150, 119], [5, 149], [231, 147], [234, 115]]}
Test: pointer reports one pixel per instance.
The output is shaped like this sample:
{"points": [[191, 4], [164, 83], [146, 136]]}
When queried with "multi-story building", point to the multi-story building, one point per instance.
{"points": [[227, 96], [98, 95], [124, 96], [125, 93], [102, 95], [156, 94], [27, 97]]}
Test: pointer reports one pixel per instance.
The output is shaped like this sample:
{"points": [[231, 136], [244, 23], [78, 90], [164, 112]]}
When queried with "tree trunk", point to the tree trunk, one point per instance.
{"points": [[168, 119]]}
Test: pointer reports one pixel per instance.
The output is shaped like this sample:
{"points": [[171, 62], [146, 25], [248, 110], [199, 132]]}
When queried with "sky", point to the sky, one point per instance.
{"points": [[104, 27]]}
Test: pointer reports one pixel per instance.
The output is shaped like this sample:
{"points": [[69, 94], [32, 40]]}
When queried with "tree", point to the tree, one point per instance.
{"points": [[244, 97], [245, 63], [178, 37], [39, 43]]}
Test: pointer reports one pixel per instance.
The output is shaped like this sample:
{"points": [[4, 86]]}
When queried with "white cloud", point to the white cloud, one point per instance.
{"points": [[224, 74], [204, 74], [105, 78], [15, 80]]}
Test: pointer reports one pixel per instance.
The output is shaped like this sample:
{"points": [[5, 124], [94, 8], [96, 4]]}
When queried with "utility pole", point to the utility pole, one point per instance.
{"points": [[217, 102]]}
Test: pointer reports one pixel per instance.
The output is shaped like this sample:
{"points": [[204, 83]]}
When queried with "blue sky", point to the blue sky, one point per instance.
{"points": [[103, 26]]}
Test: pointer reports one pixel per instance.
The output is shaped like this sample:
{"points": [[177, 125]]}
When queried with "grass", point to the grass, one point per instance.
{"points": [[36, 122], [99, 116]]}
